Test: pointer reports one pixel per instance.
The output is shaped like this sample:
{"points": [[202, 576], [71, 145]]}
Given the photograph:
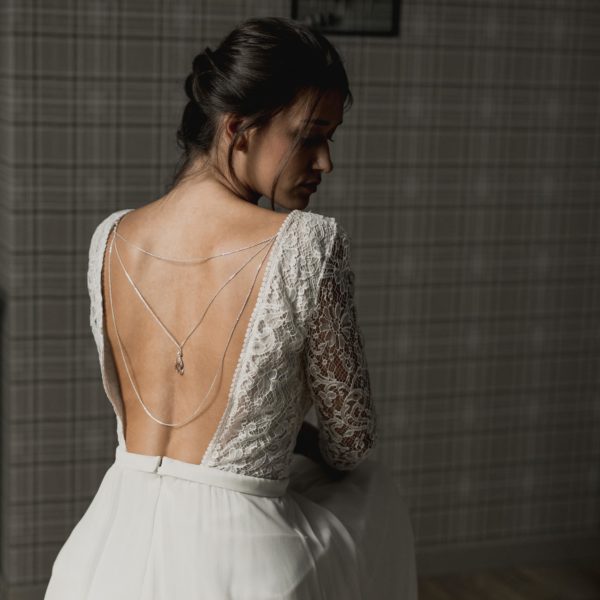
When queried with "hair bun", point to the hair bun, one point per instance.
{"points": [[204, 63], [189, 87], [203, 66]]}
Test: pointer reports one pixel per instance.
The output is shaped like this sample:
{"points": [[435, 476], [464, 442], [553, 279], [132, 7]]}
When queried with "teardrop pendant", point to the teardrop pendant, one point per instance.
{"points": [[179, 367]]}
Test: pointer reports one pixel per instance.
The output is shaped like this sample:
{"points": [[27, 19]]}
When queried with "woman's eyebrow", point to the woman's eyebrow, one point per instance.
{"points": [[320, 121]]}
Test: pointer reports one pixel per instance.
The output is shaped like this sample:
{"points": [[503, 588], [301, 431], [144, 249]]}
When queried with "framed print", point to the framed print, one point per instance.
{"points": [[349, 17]]}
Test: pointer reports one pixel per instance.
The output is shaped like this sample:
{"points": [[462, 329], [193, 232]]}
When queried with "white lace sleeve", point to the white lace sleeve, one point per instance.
{"points": [[337, 372]]}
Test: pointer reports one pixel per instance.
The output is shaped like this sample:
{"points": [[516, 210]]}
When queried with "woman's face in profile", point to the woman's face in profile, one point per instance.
{"points": [[310, 160]]}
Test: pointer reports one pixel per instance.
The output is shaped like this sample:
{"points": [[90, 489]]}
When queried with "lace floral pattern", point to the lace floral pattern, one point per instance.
{"points": [[108, 369], [302, 346], [337, 370]]}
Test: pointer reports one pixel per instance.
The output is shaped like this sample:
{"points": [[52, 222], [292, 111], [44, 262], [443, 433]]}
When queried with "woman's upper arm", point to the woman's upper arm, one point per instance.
{"points": [[337, 371]]}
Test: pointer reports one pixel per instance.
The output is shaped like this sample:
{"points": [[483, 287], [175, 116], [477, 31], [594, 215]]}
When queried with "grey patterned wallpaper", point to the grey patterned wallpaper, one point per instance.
{"points": [[467, 175]]}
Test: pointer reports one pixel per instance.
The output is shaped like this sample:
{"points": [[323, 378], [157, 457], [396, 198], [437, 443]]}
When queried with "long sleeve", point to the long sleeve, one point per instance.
{"points": [[337, 372]]}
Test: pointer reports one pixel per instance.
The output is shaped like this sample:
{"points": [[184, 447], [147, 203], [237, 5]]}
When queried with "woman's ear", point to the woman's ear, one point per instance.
{"points": [[231, 124]]}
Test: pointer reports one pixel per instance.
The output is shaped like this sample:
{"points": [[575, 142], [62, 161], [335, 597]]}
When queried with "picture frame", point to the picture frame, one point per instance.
{"points": [[349, 17]]}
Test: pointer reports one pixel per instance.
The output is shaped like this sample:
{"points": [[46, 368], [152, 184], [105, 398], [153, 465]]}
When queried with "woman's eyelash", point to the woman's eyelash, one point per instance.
{"points": [[314, 139]]}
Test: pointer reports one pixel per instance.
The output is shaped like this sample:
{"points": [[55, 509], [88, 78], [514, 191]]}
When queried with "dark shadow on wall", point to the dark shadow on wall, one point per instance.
{"points": [[3, 370]]}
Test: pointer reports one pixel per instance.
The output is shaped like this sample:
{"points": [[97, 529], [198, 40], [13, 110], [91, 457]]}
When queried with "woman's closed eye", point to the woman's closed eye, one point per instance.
{"points": [[315, 140]]}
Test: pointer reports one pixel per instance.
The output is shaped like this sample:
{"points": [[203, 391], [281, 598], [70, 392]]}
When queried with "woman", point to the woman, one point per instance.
{"points": [[219, 325]]}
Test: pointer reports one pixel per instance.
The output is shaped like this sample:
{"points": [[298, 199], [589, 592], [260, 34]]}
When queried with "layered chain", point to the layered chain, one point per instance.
{"points": [[179, 366]]}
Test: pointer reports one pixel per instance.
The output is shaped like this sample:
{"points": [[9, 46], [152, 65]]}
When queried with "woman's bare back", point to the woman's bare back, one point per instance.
{"points": [[179, 294]]}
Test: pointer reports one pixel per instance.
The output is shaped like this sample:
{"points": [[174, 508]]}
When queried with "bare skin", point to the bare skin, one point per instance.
{"points": [[203, 216]]}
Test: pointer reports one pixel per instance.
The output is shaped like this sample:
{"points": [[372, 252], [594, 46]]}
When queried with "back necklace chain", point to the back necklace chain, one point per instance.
{"points": [[192, 260], [179, 366]]}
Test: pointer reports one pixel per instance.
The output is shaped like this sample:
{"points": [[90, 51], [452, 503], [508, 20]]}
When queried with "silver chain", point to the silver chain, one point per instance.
{"points": [[148, 412], [192, 260], [179, 363]]}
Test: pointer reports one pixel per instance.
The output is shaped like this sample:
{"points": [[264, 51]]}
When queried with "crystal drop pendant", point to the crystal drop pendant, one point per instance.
{"points": [[179, 366]]}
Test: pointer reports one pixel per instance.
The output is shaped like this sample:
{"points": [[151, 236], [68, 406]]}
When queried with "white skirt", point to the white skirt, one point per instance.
{"points": [[163, 529]]}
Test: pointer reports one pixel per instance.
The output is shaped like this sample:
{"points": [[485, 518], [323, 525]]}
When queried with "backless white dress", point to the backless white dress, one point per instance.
{"points": [[254, 520]]}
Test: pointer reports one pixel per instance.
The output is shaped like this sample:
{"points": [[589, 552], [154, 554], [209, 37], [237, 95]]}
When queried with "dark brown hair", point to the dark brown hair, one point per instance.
{"points": [[259, 69]]}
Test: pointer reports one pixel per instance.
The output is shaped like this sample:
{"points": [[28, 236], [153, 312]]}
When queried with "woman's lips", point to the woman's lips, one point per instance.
{"points": [[310, 186]]}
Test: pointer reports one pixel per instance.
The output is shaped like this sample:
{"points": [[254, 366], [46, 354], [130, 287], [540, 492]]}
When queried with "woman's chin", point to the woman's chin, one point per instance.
{"points": [[305, 193]]}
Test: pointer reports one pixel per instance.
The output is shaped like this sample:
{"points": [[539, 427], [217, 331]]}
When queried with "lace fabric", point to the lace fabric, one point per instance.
{"points": [[337, 369], [302, 347]]}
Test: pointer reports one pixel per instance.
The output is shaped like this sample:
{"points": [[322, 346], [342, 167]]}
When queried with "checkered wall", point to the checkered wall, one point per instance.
{"points": [[467, 176]]}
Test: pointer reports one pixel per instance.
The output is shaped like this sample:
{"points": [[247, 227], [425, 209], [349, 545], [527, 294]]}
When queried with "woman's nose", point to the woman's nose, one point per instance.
{"points": [[324, 162]]}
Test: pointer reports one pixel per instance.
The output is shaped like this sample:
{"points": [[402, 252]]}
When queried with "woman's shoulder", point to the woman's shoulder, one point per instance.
{"points": [[317, 225], [103, 227], [321, 231], [108, 220], [316, 218]]}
